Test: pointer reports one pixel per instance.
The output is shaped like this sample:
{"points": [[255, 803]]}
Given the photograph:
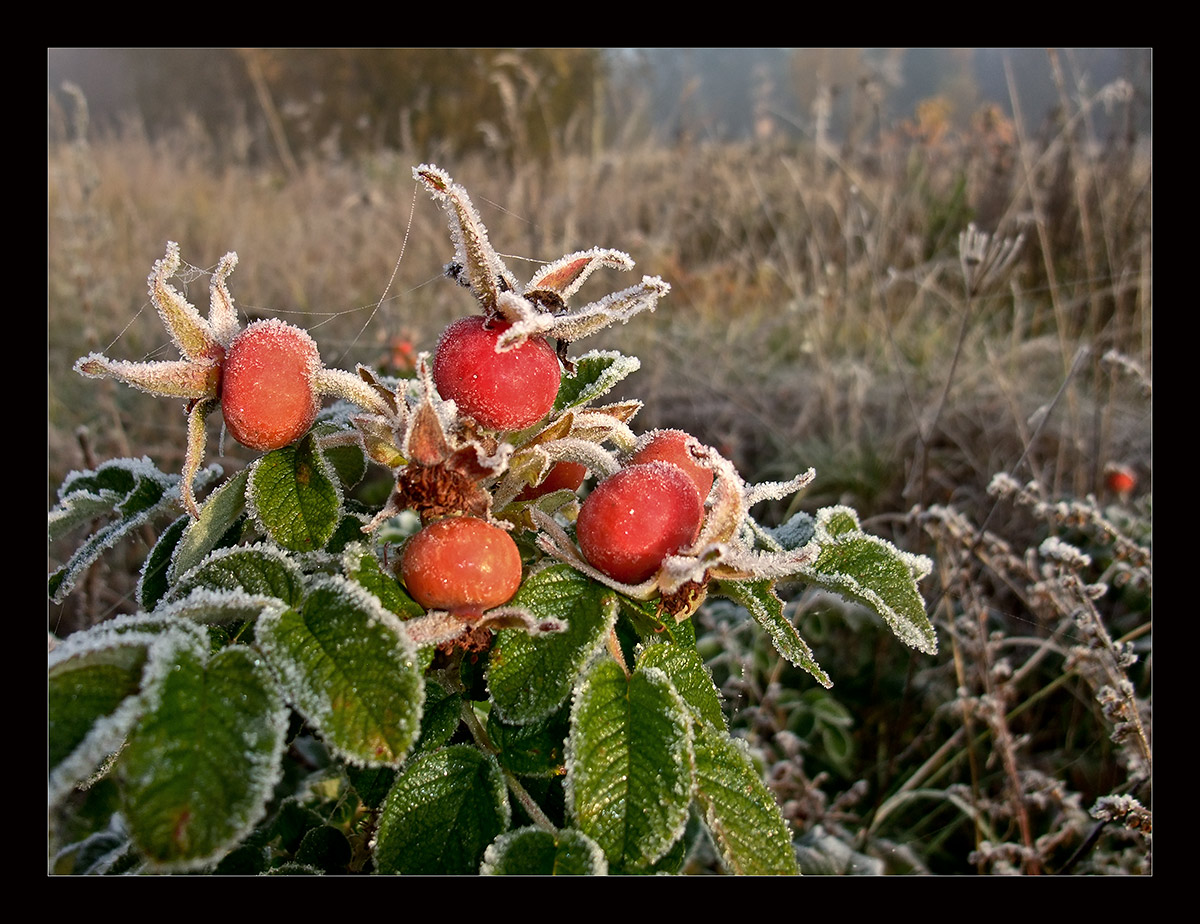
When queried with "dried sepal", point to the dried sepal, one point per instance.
{"points": [[194, 337], [168, 379], [196, 438], [486, 274], [438, 627], [564, 276]]}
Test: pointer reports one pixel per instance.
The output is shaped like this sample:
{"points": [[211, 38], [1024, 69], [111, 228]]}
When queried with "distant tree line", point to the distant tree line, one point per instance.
{"points": [[540, 102]]}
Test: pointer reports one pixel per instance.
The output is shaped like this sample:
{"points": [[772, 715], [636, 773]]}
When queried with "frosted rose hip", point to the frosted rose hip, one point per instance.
{"points": [[461, 564], [503, 391], [636, 518], [564, 476], [670, 446], [267, 394]]}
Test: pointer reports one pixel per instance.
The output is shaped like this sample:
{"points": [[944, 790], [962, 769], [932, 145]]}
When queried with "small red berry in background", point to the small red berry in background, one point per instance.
{"points": [[463, 565], [669, 446], [564, 476], [1120, 479], [267, 394], [502, 391], [634, 519]]}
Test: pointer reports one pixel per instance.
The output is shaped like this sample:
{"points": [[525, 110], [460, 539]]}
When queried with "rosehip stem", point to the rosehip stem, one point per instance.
{"points": [[479, 733]]}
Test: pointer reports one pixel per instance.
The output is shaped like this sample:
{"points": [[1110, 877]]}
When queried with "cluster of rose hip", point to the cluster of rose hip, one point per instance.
{"points": [[628, 524]]}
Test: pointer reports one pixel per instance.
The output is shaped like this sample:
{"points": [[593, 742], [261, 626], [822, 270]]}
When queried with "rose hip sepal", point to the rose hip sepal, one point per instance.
{"points": [[268, 378], [723, 550]]}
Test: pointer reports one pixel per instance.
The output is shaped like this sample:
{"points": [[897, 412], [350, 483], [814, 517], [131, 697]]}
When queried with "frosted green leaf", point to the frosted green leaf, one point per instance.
{"points": [[257, 569], [125, 492], [444, 810], [690, 678], [210, 607], [363, 567], [528, 677], [218, 516], [294, 497], [534, 852], [84, 694], [349, 462], [153, 582], [629, 763], [873, 572], [760, 600], [535, 749], [443, 713], [348, 666], [201, 764], [91, 679], [739, 810], [595, 374]]}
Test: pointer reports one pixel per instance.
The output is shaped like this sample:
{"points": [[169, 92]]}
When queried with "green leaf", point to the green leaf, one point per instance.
{"points": [[873, 572], [595, 374], [740, 811], [258, 569], [218, 516], [534, 852], [363, 567], [201, 765], [444, 810], [92, 678], [443, 713], [760, 600], [348, 667], [535, 749], [294, 496], [528, 677], [684, 666], [629, 763], [129, 490], [153, 583]]}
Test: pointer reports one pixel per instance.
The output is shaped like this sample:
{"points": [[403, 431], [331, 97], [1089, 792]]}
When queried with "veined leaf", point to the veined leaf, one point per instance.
{"points": [[294, 496], [257, 569], [528, 677], [760, 600], [684, 666], [91, 682], [129, 491], [153, 582], [444, 810], [740, 811], [873, 572], [534, 852], [348, 666], [534, 749], [218, 516], [595, 374], [202, 762], [629, 763]]}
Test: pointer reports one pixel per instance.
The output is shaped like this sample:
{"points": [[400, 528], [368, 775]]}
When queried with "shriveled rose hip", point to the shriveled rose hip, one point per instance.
{"points": [[503, 391], [267, 393], [461, 564], [636, 518]]}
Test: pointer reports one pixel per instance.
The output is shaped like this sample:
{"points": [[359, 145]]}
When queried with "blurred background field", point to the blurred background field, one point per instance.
{"points": [[806, 207]]}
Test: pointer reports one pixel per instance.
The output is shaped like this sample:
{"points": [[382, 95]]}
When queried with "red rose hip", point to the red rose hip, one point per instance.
{"points": [[564, 476], [267, 394], [636, 518], [670, 446], [463, 565], [503, 391]]}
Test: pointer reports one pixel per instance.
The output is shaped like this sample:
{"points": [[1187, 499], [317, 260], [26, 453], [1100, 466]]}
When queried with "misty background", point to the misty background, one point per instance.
{"points": [[259, 104]]}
